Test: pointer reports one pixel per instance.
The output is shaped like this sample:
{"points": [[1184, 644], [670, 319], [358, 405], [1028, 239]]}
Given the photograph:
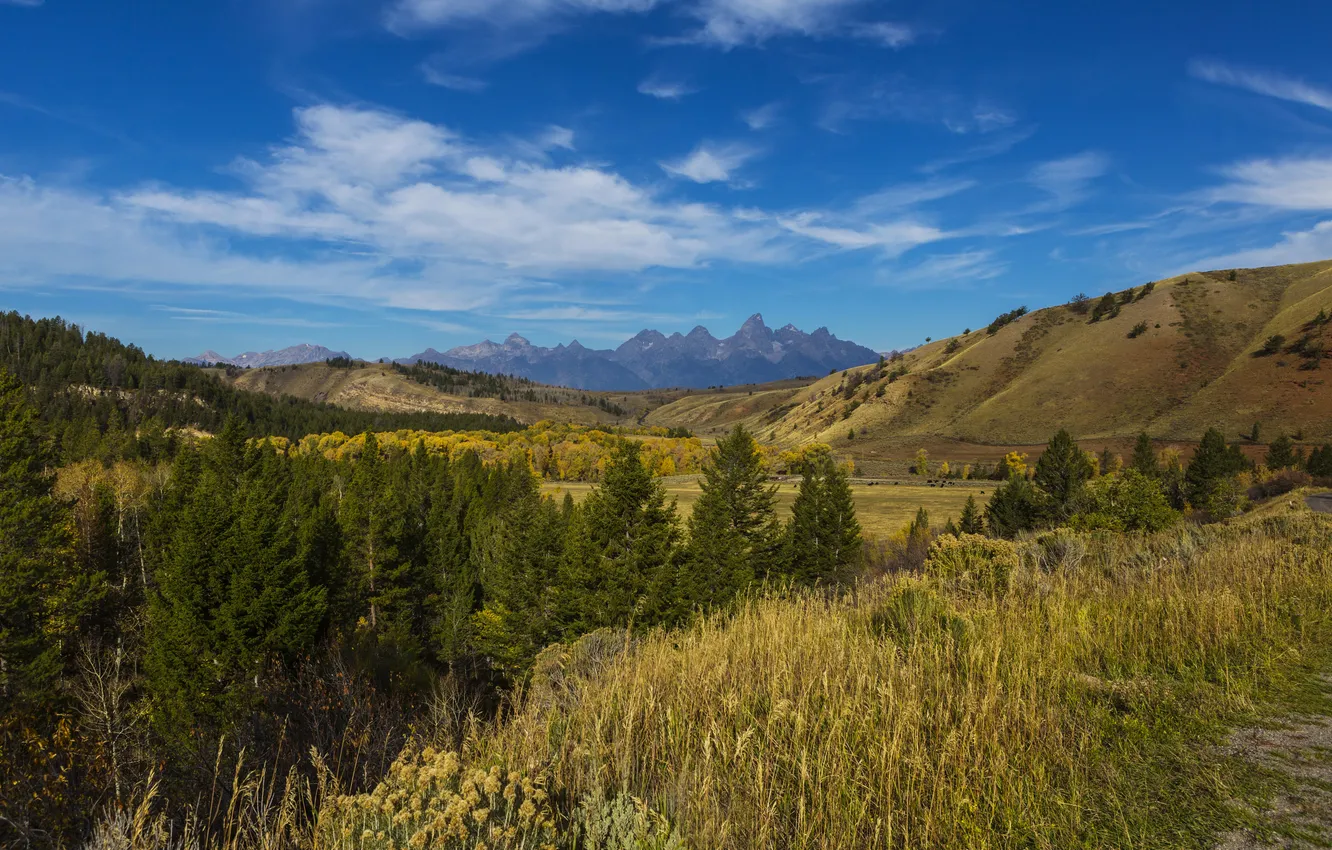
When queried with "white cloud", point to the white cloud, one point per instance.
{"points": [[711, 163], [365, 205], [556, 136], [731, 23], [941, 269], [1304, 246], [893, 238], [664, 89], [887, 33], [900, 99], [762, 117], [1068, 180], [1262, 82], [722, 23], [416, 14], [457, 82], [1290, 184]]}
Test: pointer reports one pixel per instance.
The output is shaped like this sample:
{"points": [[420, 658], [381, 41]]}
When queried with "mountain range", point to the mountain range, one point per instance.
{"points": [[652, 360], [292, 356]]}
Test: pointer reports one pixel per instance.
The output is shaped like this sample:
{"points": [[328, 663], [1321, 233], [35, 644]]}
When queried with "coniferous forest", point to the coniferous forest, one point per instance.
{"points": [[240, 604], [212, 635]]}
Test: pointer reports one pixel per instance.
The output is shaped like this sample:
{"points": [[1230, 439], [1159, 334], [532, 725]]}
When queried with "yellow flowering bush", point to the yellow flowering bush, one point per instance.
{"points": [[430, 799]]}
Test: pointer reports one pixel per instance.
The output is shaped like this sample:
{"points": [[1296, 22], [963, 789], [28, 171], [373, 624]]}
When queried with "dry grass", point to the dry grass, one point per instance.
{"points": [[1190, 370], [883, 509], [1072, 705], [1068, 713]]}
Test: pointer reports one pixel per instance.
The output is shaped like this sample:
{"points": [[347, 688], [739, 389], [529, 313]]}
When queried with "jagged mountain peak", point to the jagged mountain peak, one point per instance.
{"points": [[754, 354]]}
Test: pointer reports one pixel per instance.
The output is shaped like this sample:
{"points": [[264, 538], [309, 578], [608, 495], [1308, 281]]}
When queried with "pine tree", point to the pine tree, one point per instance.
{"points": [[1061, 473], [1144, 457], [1015, 506], [733, 528], [1282, 454], [617, 563], [823, 543], [1213, 462], [971, 522], [34, 557], [1320, 461]]}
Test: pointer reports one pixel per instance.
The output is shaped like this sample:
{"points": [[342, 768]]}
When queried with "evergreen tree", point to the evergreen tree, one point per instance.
{"points": [[733, 528], [1015, 506], [1061, 473], [33, 557], [1282, 454], [1213, 462], [971, 522], [620, 548], [823, 543], [1144, 457], [1320, 461]]}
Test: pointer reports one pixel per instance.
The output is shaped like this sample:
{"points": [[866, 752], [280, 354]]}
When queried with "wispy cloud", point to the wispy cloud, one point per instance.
{"points": [[1289, 184], [711, 162], [762, 117], [663, 89], [898, 98], [1266, 83], [22, 2], [418, 14], [1303, 246], [892, 238], [1001, 145], [945, 270], [1067, 180], [887, 33], [457, 82]]}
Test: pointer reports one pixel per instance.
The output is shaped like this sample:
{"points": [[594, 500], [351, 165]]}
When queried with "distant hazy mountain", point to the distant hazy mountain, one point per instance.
{"points": [[296, 354], [651, 359]]}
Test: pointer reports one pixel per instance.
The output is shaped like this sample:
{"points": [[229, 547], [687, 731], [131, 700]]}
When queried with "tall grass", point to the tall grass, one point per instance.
{"points": [[1071, 711], [1070, 706]]}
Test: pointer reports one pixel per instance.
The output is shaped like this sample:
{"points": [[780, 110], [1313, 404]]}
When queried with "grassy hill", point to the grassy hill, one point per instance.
{"points": [[380, 387], [1172, 358]]}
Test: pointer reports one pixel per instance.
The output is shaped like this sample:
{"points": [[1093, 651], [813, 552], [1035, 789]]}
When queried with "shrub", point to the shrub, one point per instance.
{"points": [[972, 563], [1138, 330], [1058, 550], [621, 823], [1278, 483], [1129, 502], [1005, 319], [1271, 346], [430, 799], [916, 613]]}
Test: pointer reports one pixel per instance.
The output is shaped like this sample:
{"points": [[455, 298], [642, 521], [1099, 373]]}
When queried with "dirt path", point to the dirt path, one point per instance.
{"points": [[1322, 502], [1299, 752]]}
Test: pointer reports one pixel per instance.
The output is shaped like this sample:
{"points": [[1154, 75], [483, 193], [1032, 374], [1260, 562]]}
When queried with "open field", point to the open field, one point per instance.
{"points": [[883, 508]]}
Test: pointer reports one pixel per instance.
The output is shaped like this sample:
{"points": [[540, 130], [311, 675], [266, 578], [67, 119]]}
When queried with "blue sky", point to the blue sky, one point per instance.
{"points": [[385, 176]]}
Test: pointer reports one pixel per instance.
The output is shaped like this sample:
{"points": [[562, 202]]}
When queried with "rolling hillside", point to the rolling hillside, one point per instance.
{"points": [[1172, 358], [380, 387]]}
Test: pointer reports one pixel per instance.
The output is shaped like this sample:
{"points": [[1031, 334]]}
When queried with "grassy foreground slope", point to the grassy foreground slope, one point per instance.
{"points": [[1078, 708], [1191, 365]]}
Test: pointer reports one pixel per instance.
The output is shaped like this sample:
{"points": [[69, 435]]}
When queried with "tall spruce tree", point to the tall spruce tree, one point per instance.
{"points": [[1213, 462], [34, 556], [1144, 457], [1282, 454], [620, 549], [823, 543], [733, 530], [1061, 472], [971, 522]]}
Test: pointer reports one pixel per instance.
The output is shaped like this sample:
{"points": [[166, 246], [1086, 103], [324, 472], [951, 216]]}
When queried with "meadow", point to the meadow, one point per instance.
{"points": [[883, 508]]}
